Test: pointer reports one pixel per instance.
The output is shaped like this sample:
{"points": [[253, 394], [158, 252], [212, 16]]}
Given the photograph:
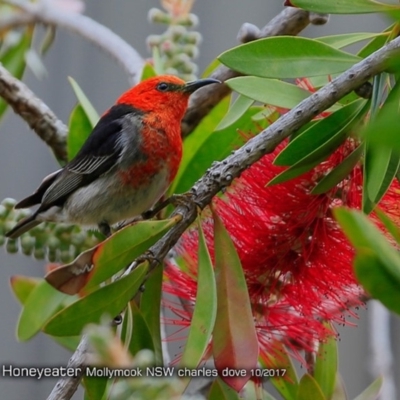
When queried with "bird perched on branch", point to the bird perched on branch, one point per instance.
{"points": [[125, 165]]}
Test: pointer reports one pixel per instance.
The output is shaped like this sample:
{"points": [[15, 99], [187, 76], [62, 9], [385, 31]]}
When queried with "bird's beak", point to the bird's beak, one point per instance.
{"points": [[190, 87]]}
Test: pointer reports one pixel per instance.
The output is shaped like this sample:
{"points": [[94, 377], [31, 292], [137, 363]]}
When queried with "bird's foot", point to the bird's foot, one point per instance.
{"points": [[175, 200], [105, 229]]}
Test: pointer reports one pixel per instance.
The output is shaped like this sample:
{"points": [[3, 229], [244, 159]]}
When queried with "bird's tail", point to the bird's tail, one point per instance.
{"points": [[23, 226]]}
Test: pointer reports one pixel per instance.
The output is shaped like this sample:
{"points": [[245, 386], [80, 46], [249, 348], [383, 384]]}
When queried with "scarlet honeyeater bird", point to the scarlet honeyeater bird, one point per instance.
{"points": [[125, 165]]}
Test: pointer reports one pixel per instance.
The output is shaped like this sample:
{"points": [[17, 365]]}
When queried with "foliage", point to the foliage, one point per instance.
{"points": [[348, 156]]}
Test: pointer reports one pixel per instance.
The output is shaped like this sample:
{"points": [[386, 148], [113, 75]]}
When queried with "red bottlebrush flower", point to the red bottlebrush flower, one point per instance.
{"points": [[296, 260]]}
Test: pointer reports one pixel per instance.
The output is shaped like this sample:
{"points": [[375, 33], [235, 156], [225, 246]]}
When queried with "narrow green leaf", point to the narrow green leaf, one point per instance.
{"points": [[203, 147], [221, 391], [110, 299], [79, 130], [13, 59], [319, 134], [317, 153], [269, 91], [343, 6], [287, 57], [376, 280], [326, 366], [372, 391], [382, 131], [95, 387], [205, 309], [141, 336], [346, 39], [364, 235], [392, 228], [309, 389], [40, 305], [22, 286], [150, 307], [286, 384], [124, 246], [235, 343], [376, 43], [236, 110], [339, 173], [381, 166], [84, 102]]}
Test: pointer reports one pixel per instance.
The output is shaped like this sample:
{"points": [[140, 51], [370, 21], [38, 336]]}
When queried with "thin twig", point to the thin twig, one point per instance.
{"points": [[38, 116], [99, 35]]}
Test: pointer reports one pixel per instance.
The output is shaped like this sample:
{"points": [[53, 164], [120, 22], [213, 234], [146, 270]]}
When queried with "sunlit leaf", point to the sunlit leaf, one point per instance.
{"points": [[236, 110], [22, 286], [372, 391], [95, 387], [346, 39]]}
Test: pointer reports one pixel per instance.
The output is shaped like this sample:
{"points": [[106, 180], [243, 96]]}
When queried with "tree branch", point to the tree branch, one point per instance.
{"points": [[99, 35], [66, 387], [38, 116], [291, 21]]}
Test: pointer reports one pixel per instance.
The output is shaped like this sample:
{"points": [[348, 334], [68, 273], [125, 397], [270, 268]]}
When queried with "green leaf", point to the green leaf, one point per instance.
{"points": [[364, 235], [110, 299], [84, 102], [79, 130], [205, 309], [235, 343], [320, 152], [40, 305], [343, 6], [337, 174], [22, 286], [221, 391], [372, 391], [392, 228], [205, 146], [141, 336], [124, 246], [381, 166], [68, 342], [13, 60], [287, 57], [236, 110], [309, 389], [376, 280], [376, 43], [150, 307], [382, 131], [346, 39], [147, 72], [326, 366], [269, 91], [95, 387], [287, 384], [319, 134]]}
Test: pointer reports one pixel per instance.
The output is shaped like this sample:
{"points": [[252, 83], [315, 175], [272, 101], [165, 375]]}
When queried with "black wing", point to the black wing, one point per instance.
{"points": [[97, 156]]}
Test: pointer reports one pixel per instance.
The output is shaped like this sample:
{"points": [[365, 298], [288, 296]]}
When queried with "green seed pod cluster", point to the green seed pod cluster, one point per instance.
{"points": [[177, 46], [54, 242]]}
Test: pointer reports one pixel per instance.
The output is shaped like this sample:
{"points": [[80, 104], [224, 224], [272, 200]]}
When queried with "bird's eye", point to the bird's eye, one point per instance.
{"points": [[162, 87]]}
